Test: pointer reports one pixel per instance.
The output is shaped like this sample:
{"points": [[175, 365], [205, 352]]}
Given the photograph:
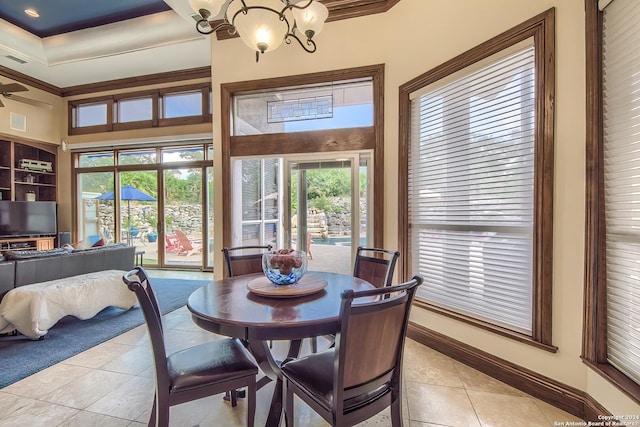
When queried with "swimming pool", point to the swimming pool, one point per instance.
{"points": [[337, 241]]}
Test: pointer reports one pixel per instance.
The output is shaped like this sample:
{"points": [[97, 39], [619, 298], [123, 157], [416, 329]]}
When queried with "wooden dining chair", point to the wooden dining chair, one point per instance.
{"points": [[376, 266], [244, 259], [359, 377], [193, 373]]}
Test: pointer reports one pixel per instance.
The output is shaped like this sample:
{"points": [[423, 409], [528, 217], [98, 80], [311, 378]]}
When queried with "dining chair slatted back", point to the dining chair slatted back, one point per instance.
{"points": [[353, 381], [193, 373], [244, 259], [375, 265]]}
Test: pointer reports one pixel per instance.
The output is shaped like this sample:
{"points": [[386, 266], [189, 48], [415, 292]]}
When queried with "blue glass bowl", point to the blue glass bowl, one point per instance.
{"points": [[284, 268]]}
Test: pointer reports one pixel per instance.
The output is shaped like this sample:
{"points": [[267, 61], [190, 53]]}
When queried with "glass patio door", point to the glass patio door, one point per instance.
{"points": [[326, 211], [320, 204], [184, 244]]}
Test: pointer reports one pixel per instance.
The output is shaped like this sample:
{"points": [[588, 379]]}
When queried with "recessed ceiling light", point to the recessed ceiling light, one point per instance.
{"points": [[32, 13]]}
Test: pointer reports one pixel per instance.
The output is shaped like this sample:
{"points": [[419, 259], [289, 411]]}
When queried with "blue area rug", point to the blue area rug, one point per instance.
{"points": [[70, 336]]}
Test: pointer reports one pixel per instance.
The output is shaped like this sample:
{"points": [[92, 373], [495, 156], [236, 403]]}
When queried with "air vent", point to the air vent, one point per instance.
{"points": [[18, 60], [18, 122]]}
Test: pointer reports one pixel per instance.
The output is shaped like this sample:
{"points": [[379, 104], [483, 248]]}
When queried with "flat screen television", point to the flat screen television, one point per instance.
{"points": [[27, 219]]}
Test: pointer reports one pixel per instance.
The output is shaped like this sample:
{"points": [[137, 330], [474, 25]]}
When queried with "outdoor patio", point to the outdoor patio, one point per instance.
{"points": [[334, 258]]}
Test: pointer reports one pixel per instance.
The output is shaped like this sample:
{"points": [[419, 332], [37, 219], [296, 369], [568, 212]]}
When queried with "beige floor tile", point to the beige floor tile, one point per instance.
{"points": [[176, 340], [500, 410], [420, 424], [89, 419], [554, 414], [97, 356], [133, 362], [150, 372], [9, 403], [382, 419], [303, 415], [478, 381], [210, 412], [179, 315], [434, 404], [135, 337], [87, 389], [424, 365], [34, 413], [47, 381], [128, 401]]}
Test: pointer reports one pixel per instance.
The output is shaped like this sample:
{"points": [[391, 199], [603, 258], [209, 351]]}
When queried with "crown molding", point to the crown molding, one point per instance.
{"points": [[149, 79], [29, 81]]}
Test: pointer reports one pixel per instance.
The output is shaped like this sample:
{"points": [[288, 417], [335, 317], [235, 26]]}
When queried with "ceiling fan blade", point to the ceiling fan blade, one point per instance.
{"points": [[28, 101], [12, 87]]}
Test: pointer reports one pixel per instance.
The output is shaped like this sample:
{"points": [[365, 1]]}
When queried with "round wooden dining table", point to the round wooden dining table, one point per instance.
{"points": [[227, 307]]}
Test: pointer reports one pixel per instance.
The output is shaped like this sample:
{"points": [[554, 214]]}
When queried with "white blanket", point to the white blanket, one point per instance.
{"points": [[33, 309]]}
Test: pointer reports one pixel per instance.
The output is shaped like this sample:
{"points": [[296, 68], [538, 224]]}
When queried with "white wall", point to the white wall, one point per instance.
{"points": [[413, 37]]}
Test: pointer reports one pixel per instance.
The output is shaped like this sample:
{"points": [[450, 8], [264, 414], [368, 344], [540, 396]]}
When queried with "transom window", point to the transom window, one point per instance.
{"points": [[134, 110], [91, 115], [182, 105], [156, 108], [333, 105]]}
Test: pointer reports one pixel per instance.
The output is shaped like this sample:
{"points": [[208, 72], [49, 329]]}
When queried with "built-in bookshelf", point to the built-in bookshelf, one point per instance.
{"points": [[27, 171]]}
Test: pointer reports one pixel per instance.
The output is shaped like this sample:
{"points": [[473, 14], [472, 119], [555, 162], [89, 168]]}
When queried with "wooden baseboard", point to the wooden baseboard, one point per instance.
{"points": [[560, 395]]}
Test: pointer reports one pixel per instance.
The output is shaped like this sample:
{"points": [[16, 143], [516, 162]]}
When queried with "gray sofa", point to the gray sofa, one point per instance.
{"points": [[27, 269], [39, 288]]}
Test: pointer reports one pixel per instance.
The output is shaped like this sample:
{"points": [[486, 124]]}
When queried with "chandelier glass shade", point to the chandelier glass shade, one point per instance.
{"points": [[264, 24]]}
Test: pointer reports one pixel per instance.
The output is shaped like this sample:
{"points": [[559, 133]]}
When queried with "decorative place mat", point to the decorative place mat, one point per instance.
{"points": [[308, 284]]}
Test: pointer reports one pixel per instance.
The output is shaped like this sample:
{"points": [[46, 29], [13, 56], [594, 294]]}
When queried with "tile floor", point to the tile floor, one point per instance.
{"points": [[111, 385]]}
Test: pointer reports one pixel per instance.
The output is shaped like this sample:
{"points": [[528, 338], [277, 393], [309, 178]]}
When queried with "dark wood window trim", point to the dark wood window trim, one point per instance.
{"points": [[351, 139], [72, 111], [142, 124], [542, 28], [159, 167], [316, 141], [157, 121], [594, 337]]}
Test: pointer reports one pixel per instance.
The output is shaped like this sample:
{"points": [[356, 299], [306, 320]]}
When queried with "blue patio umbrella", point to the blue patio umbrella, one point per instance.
{"points": [[128, 193]]}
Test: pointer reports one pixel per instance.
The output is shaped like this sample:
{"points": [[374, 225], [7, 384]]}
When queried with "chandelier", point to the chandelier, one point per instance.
{"points": [[264, 24]]}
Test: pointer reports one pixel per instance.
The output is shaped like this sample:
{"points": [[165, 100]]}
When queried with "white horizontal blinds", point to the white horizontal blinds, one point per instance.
{"points": [[471, 184], [621, 85], [603, 3]]}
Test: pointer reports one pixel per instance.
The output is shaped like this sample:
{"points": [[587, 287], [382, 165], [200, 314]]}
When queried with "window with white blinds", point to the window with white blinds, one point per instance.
{"points": [[621, 121], [471, 189]]}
